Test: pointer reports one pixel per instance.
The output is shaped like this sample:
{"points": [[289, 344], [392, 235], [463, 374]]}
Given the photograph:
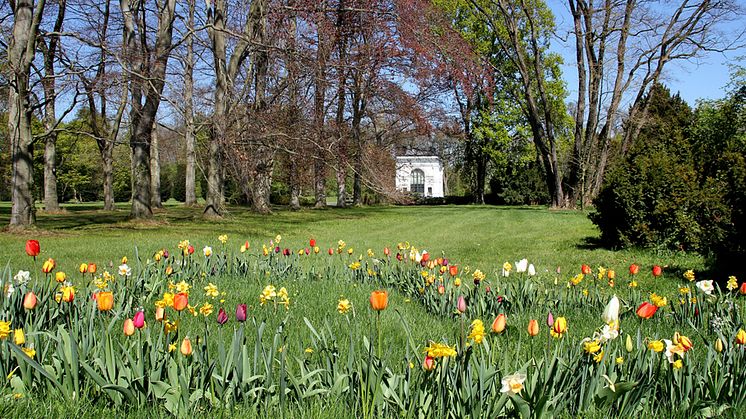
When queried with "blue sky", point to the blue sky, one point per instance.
{"points": [[704, 79]]}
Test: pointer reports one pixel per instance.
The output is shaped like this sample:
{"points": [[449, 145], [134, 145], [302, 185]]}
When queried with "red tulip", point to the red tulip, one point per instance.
{"points": [[139, 319], [190, 249], [33, 248], [742, 289], [646, 310], [425, 256], [585, 269], [657, 271], [241, 312], [399, 257], [29, 301], [633, 269], [331, 251], [312, 242], [453, 270]]}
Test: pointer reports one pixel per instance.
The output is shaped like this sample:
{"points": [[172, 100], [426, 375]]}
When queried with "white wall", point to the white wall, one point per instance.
{"points": [[430, 165]]}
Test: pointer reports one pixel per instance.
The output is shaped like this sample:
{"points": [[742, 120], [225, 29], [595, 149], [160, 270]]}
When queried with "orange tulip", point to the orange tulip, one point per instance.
{"points": [[169, 270], [657, 271], [585, 269], [498, 325], [160, 314], [48, 266], [611, 274], [386, 251], [646, 310], [129, 327], [181, 300], [453, 270], [92, 268], [105, 300], [633, 269], [186, 347], [379, 300], [29, 301], [533, 327]]}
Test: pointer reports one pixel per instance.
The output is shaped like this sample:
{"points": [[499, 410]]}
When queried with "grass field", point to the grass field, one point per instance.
{"points": [[474, 237]]}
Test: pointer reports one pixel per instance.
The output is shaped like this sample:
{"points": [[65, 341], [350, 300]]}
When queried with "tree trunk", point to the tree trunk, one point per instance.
{"points": [[294, 184], [107, 156], [191, 186], [49, 52], [155, 170], [141, 186], [319, 164], [20, 56]]}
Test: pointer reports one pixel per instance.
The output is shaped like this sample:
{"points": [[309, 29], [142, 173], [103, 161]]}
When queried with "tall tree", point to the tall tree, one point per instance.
{"points": [[49, 50], [630, 42], [21, 48], [146, 81]]}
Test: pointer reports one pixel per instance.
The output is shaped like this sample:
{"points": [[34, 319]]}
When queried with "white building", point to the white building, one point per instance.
{"points": [[420, 175]]}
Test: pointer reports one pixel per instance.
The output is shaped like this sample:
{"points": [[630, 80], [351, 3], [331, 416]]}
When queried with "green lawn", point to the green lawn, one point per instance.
{"points": [[479, 236]]}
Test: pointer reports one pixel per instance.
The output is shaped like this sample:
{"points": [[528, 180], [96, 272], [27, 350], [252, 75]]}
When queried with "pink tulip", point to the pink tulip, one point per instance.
{"points": [[139, 320], [241, 312], [461, 304]]}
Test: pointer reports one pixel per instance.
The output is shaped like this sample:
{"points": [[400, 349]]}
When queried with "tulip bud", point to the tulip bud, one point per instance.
{"points": [[60, 276], [676, 338], [550, 319], [628, 344], [461, 304], [29, 301], [441, 289], [186, 347], [498, 325], [139, 319], [657, 271], [719, 345], [222, 316], [129, 327], [19, 338], [160, 314], [533, 327], [429, 363], [741, 337], [386, 251]]}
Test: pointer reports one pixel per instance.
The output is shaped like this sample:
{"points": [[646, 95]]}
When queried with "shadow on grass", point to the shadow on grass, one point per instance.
{"points": [[592, 243]]}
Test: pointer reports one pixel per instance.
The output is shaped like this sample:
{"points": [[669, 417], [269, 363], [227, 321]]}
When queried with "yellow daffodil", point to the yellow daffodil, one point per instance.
{"points": [[206, 309], [477, 331], [439, 350], [223, 238], [689, 275], [211, 290], [343, 306], [656, 345]]}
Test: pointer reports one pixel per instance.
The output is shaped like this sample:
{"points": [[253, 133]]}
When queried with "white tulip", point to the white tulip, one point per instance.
{"points": [[521, 265], [531, 270], [611, 312]]}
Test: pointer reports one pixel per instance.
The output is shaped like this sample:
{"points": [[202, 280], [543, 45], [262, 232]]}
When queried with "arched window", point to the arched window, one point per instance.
{"points": [[417, 182]]}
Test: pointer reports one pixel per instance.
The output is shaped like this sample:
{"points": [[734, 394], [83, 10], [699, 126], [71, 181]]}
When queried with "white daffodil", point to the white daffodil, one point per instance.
{"points": [[706, 286], [513, 383]]}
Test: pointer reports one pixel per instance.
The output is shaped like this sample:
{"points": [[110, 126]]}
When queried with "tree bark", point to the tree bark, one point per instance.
{"points": [[20, 56], [155, 170], [189, 137], [341, 169], [265, 154]]}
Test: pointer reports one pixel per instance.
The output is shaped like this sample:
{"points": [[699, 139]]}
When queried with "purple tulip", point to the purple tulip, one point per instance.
{"points": [[223, 316], [241, 312], [165, 253]]}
